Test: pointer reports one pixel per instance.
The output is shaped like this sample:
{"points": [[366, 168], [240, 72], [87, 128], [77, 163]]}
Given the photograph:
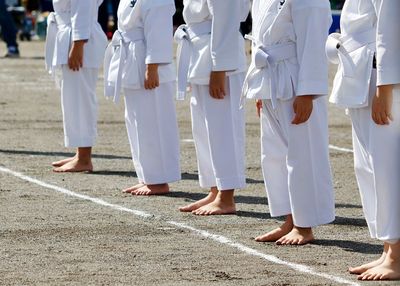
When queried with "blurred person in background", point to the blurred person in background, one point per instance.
{"points": [[9, 31], [104, 15]]}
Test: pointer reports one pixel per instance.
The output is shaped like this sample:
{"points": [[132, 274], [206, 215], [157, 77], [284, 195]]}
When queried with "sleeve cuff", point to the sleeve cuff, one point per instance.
{"points": [[311, 88], [78, 35], [157, 58], [224, 64], [388, 76]]}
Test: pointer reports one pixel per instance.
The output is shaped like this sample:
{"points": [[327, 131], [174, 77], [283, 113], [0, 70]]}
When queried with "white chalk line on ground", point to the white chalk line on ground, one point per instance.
{"points": [[336, 148], [333, 147], [217, 238]]}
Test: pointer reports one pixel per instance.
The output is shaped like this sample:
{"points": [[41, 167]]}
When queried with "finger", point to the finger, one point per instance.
{"points": [[307, 116], [385, 118], [157, 83], [223, 91], [215, 93], [296, 119], [221, 94], [381, 118], [377, 118], [390, 116], [146, 85]]}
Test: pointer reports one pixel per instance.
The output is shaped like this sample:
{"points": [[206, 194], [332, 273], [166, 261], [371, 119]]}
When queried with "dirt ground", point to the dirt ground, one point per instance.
{"points": [[50, 238]]}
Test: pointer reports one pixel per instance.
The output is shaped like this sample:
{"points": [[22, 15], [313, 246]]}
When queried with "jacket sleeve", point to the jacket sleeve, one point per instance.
{"points": [[311, 21], [226, 17], [82, 13], [158, 33], [388, 42]]}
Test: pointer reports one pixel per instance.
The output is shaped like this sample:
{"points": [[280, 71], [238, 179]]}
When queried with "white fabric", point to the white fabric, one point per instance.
{"points": [[352, 80], [295, 163], [74, 20], [144, 36], [224, 48], [153, 133], [377, 166], [183, 36], [299, 22], [388, 41], [219, 134], [79, 106], [376, 147], [265, 60]]}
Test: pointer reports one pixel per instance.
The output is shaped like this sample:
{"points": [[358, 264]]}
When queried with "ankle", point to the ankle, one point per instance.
{"points": [[303, 229], [226, 196]]}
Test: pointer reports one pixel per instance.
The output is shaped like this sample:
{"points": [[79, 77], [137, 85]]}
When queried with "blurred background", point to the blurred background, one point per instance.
{"points": [[30, 17]]}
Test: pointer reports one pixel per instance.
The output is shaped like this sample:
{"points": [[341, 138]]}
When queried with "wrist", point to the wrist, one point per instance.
{"points": [[385, 89], [79, 43], [306, 97], [152, 67]]}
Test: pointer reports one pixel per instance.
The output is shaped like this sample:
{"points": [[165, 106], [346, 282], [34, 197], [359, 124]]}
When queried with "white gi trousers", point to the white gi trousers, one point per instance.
{"points": [[295, 163], [377, 167], [218, 127], [152, 127], [79, 106]]}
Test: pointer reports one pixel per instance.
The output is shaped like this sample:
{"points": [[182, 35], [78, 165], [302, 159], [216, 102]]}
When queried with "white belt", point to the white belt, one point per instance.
{"points": [[183, 36], [266, 58], [338, 48], [119, 45], [55, 21]]}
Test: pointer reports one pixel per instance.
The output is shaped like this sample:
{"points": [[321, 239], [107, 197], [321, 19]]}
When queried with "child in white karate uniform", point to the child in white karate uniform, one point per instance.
{"points": [[288, 76], [368, 85], [139, 61], [75, 46], [212, 59]]}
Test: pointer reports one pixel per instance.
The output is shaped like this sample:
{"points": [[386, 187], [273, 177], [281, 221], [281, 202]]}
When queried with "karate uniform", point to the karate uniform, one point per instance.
{"points": [[288, 60], [371, 28], [211, 41], [75, 20], [145, 36]]}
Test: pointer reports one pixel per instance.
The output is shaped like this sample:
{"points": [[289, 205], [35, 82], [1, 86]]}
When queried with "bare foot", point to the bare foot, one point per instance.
{"points": [[389, 269], [75, 166], [277, 233], [151, 190], [223, 204], [62, 162], [361, 269], [133, 188], [297, 236], [198, 204]]}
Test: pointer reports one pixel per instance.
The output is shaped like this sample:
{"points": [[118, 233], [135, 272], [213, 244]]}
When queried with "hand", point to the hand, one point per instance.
{"points": [[382, 105], [151, 79], [75, 59], [302, 106], [259, 106], [217, 84]]}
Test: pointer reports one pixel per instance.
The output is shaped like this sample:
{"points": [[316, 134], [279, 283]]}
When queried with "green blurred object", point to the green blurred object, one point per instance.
{"points": [[41, 26], [337, 4]]}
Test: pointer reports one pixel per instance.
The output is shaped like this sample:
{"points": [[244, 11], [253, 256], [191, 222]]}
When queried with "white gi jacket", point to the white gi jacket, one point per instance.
{"points": [[218, 44], [74, 20], [144, 36], [288, 56], [363, 37], [388, 41]]}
